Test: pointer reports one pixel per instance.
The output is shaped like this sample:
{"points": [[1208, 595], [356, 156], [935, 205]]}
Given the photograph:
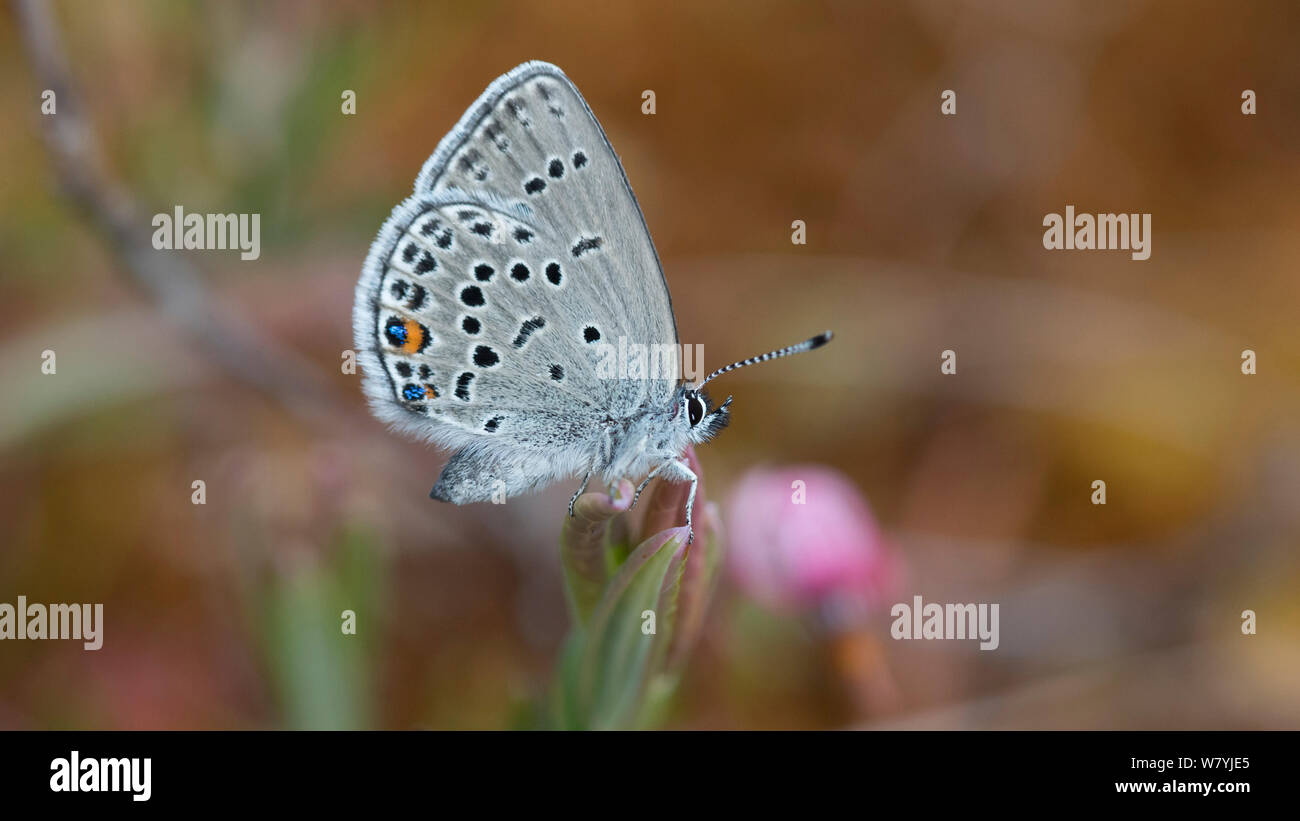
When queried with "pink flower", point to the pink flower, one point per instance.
{"points": [[803, 537]]}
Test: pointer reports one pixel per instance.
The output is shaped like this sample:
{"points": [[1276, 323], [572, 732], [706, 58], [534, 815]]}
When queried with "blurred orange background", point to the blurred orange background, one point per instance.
{"points": [[924, 233]]}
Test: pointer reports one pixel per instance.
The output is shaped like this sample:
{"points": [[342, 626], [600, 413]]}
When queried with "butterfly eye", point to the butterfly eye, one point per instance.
{"points": [[695, 410]]}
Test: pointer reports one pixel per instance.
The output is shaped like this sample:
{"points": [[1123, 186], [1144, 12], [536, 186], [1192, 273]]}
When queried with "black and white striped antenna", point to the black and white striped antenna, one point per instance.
{"points": [[807, 345]]}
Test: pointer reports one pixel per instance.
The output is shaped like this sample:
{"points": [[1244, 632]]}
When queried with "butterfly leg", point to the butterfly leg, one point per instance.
{"points": [[645, 482], [678, 470], [580, 491]]}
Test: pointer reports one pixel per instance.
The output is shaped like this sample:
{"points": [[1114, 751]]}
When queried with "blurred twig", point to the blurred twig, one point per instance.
{"points": [[168, 278], [175, 286]]}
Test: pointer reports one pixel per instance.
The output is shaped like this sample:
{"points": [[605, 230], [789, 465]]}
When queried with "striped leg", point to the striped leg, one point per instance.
{"points": [[677, 470], [581, 490]]}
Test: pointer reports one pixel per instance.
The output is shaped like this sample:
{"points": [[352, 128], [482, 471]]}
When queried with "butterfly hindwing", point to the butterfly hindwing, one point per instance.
{"points": [[452, 338]]}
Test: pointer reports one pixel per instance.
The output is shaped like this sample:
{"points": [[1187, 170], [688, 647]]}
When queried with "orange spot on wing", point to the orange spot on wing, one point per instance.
{"points": [[414, 337]]}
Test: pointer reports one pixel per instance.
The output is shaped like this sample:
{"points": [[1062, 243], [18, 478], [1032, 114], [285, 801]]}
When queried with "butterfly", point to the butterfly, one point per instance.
{"points": [[491, 297]]}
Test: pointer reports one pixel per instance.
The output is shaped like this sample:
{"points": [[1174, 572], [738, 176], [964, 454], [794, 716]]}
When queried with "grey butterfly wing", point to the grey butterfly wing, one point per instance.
{"points": [[460, 338], [531, 142], [481, 474], [485, 298]]}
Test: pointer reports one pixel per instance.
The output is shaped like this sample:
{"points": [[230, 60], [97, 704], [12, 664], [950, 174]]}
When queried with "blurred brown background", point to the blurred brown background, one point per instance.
{"points": [[924, 234]]}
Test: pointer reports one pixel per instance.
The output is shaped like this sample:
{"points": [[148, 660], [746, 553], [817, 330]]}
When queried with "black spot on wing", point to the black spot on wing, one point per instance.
{"points": [[440, 233], [395, 332], [471, 164], [552, 106], [462, 385], [527, 329], [419, 295], [494, 133], [472, 295], [586, 245], [519, 111]]}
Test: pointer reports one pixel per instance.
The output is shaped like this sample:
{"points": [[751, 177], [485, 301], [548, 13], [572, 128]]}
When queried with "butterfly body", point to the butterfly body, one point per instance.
{"points": [[488, 298]]}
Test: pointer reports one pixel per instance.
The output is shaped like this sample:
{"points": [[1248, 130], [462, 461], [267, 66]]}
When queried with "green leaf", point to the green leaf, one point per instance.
{"points": [[618, 659], [321, 675], [319, 689]]}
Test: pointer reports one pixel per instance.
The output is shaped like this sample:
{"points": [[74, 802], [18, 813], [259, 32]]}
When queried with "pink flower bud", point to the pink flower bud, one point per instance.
{"points": [[803, 537]]}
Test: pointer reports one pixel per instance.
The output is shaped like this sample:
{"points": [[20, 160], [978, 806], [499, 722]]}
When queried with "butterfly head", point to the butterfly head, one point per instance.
{"points": [[703, 420]]}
